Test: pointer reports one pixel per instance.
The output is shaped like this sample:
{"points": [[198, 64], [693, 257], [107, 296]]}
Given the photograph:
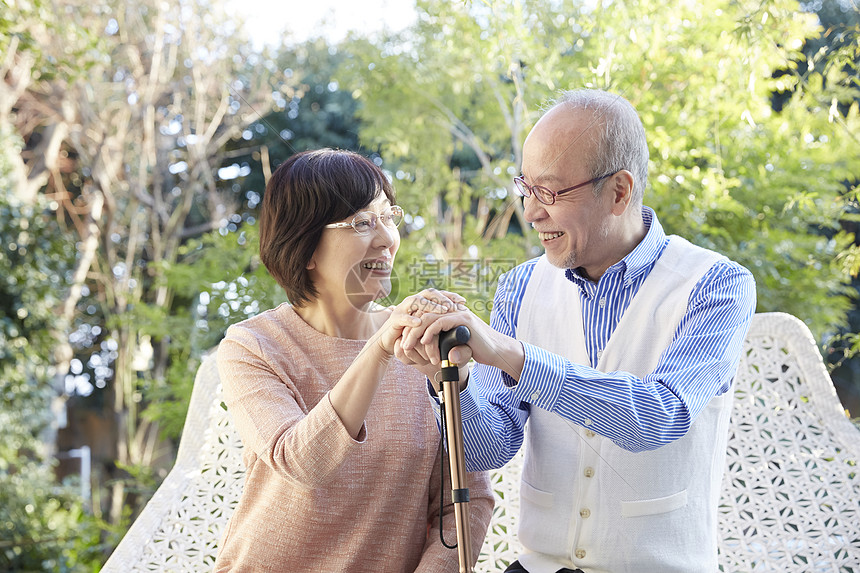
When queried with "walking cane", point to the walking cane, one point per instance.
{"points": [[450, 398]]}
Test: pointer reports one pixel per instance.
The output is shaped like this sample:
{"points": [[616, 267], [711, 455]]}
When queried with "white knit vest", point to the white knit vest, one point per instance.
{"points": [[585, 502]]}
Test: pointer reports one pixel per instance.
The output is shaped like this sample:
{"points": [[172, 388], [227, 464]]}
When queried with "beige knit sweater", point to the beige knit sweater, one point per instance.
{"points": [[316, 500]]}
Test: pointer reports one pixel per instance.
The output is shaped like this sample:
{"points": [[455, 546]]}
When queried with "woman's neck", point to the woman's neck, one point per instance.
{"points": [[343, 319]]}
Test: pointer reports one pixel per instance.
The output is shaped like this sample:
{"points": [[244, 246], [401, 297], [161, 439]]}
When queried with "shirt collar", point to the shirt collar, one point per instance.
{"points": [[640, 259]]}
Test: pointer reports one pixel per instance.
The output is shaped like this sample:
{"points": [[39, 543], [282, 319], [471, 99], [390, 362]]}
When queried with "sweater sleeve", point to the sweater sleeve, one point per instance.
{"points": [[302, 445], [437, 557]]}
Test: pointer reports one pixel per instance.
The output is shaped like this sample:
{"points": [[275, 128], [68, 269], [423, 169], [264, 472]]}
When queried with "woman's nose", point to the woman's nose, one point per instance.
{"points": [[384, 234]]}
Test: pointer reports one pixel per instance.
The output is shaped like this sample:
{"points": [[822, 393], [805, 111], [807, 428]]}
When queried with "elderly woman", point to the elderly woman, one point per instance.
{"points": [[342, 455]]}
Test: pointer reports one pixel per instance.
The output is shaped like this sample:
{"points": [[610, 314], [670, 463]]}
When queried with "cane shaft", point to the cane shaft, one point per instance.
{"points": [[456, 452], [459, 479]]}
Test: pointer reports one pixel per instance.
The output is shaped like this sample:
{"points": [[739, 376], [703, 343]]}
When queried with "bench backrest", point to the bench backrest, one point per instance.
{"points": [[790, 499]]}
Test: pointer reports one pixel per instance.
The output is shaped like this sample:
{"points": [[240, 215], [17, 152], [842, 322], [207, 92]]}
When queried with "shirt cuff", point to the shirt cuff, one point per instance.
{"points": [[468, 400], [544, 374], [431, 390]]}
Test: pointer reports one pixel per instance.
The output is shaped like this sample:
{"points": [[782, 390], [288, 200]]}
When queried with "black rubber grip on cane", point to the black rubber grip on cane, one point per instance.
{"points": [[450, 374], [448, 339]]}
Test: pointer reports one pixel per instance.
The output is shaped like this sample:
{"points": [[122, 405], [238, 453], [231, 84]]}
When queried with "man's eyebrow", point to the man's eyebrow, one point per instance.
{"points": [[544, 179]]}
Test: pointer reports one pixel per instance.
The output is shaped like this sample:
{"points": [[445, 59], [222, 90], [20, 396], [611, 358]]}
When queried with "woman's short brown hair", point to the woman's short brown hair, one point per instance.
{"points": [[308, 191]]}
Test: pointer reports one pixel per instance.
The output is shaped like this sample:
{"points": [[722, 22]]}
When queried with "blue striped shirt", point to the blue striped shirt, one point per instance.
{"points": [[636, 413]]}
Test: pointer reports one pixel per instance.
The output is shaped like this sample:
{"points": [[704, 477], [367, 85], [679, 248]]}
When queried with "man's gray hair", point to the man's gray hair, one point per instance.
{"points": [[620, 142]]}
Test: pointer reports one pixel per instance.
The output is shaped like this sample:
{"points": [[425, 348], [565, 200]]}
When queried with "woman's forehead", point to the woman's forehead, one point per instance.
{"points": [[380, 201]]}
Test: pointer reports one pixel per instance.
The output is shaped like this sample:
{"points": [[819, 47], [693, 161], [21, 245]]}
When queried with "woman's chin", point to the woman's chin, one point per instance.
{"points": [[371, 292], [384, 288], [383, 294]]}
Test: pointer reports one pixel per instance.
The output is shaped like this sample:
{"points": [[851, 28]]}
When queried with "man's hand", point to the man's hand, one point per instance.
{"points": [[486, 345]]}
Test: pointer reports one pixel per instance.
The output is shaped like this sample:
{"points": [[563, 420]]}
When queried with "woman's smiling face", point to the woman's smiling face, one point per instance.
{"points": [[358, 267]]}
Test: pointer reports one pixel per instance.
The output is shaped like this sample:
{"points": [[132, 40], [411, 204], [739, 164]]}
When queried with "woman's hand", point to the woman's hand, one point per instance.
{"points": [[352, 394], [408, 314], [425, 358]]}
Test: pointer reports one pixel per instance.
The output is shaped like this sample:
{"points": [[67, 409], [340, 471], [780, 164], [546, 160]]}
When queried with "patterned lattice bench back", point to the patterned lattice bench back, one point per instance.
{"points": [[790, 499]]}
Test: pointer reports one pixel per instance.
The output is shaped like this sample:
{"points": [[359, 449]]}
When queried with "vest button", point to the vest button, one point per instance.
{"points": [[580, 553], [589, 472], [589, 434], [585, 513]]}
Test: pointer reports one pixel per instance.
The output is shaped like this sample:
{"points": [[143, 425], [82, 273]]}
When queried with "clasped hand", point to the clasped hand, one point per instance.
{"points": [[418, 344], [411, 334]]}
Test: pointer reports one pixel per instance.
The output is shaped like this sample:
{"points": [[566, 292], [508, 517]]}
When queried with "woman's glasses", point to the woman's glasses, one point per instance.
{"points": [[366, 221]]}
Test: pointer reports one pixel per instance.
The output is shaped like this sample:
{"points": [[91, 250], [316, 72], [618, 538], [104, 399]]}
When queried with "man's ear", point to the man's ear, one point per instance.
{"points": [[621, 186]]}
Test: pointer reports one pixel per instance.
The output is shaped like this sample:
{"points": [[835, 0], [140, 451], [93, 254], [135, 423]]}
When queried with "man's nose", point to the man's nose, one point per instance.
{"points": [[533, 210]]}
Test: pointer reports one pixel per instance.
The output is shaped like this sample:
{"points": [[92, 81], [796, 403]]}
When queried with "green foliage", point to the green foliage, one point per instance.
{"points": [[150, 93], [43, 526], [752, 122], [219, 281], [442, 102], [310, 111], [33, 261]]}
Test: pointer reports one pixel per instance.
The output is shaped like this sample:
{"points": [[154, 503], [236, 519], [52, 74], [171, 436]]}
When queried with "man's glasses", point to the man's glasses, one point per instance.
{"points": [[547, 196], [366, 221]]}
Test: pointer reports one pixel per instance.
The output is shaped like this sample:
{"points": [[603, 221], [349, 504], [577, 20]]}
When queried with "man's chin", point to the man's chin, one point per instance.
{"points": [[562, 261]]}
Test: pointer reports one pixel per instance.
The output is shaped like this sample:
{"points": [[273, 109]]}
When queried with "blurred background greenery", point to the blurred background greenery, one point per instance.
{"points": [[136, 139]]}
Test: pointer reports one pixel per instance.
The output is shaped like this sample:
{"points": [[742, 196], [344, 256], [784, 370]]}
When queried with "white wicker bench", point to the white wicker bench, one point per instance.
{"points": [[790, 500]]}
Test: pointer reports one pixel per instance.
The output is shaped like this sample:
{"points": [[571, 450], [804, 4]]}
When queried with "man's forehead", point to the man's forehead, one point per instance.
{"points": [[554, 162]]}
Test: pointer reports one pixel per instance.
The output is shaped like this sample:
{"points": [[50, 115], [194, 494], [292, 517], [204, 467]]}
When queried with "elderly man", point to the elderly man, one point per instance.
{"points": [[618, 345]]}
